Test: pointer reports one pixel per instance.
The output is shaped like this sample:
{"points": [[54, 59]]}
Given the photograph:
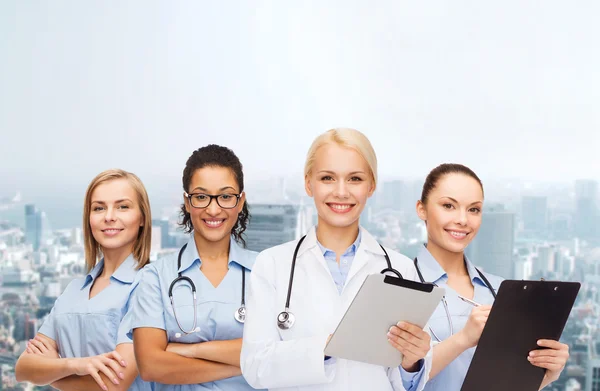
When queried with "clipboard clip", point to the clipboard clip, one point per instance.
{"points": [[401, 282], [398, 280]]}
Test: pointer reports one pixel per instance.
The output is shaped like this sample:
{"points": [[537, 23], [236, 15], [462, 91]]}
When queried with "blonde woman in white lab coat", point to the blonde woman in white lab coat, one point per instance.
{"points": [[332, 262]]}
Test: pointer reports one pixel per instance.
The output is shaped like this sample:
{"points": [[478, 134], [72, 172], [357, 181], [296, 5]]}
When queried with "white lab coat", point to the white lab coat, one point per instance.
{"points": [[293, 359]]}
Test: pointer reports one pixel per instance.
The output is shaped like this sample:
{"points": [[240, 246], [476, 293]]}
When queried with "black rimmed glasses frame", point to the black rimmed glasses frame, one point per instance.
{"points": [[218, 198]]}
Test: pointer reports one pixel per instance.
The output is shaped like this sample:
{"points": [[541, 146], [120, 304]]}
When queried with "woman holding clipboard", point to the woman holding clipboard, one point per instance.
{"points": [[294, 306], [451, 205]]}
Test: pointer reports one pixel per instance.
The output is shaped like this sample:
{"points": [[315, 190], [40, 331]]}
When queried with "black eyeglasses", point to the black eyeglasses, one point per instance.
{"points": [[201, 200]]}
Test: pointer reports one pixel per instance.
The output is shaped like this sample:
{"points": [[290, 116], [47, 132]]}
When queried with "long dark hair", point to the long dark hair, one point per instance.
{"points": [[442, 170], [215, 156]]}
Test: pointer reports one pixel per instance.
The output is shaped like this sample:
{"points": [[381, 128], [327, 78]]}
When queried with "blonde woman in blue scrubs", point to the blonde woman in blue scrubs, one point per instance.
{"points": [[83, 343], [189, 308], [451, 205]]}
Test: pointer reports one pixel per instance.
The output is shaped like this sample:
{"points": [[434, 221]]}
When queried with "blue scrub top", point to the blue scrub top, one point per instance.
{"points": [[215, 306], [453, 376], [84, 327]]}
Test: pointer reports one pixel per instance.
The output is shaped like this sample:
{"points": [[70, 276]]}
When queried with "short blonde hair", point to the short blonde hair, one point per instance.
{"points": [[345, 137], [141, 248]]}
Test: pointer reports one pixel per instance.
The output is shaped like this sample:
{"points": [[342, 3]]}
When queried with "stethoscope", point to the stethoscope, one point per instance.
{"points": [[286, 319], [445, 303], [239, 315]]}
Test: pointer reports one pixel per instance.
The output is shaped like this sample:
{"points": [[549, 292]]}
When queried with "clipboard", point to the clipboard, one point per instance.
{"points": [[523, 312], [381, 302]]}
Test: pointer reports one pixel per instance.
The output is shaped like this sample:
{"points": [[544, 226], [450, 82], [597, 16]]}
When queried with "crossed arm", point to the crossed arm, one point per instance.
{"points": [[162, 362], [41, 364]]}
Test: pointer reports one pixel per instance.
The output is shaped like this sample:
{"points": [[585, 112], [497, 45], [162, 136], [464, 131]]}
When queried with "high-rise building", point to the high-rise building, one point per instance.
{"points": [[33, 226], [522, 269], [20, 321], [156, 239], [592, 378], [560, 226], [392, 195], [564, 263], [163, 226], [77, 236], [572, 385], [399, 196], [586, 210], [546, 259], [492, 249], [271, 225], [30, 326], [534, 211]]}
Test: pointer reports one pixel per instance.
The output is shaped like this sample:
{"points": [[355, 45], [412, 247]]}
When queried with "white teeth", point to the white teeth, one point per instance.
{"points": [[111, 231], [458, 235], [214, 223], [340, 207]]}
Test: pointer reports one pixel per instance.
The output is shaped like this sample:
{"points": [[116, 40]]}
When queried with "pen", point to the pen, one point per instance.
{"points": [[473, 303]]}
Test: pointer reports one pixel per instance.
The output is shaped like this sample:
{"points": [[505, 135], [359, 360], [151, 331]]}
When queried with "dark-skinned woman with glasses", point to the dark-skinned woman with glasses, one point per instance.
{"points": [[189, 309]]}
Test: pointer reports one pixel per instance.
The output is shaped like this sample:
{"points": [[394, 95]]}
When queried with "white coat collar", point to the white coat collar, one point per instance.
{"points": [[367, 242], [368, 246]]}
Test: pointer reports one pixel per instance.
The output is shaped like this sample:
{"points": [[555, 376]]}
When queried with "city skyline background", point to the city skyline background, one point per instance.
{"points": [[509, 89]]}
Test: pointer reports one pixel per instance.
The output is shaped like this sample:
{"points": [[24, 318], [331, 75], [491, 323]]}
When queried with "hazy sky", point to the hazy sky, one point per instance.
{"points": [[511, 88]]}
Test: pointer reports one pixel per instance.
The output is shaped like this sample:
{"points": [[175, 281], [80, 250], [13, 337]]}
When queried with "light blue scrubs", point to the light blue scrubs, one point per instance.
{"points": [[84, 327], [452, 377], [339, 273], [215, 306]]}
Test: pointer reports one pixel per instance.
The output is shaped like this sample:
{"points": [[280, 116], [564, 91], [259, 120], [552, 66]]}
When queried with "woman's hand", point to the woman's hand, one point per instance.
{"points": [[43, 346], [110, 364], [472, 331], [412, 341], [553, 358]]}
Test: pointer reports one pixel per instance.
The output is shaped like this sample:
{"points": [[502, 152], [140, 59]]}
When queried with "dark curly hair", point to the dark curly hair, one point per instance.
{"points": [[215, 156]]}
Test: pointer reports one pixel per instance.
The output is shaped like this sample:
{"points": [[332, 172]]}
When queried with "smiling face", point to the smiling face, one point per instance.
{"points": [[340, 181], [115, 216], [452, 212], [214, 222]]}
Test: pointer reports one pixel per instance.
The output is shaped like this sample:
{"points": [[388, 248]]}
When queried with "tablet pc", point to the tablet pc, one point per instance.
{"points": [[381, 302]]}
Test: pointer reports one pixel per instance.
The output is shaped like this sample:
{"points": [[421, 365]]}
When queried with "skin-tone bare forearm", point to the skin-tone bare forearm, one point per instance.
{"points": [[40, 370], [84, 383], [226, 352], [545, 383], [157, 365], [447, 351]]}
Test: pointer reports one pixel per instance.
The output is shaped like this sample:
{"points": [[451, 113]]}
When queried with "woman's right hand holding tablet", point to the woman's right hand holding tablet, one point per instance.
{"points": [[472, 331]]}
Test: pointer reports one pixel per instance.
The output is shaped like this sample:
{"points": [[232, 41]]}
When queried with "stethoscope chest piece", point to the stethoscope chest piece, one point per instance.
{"points": [[285, 320], [240, 314]]}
